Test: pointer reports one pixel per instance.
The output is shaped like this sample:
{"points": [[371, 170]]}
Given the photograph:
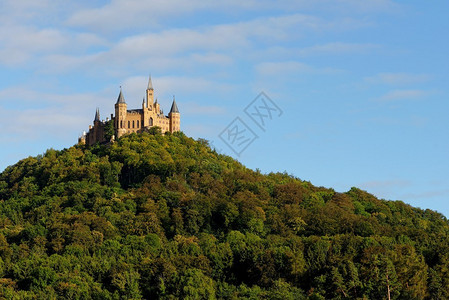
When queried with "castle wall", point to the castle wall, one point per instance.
{"points": [[175, 122], [163, 122], [133, 122], [95, 134]]}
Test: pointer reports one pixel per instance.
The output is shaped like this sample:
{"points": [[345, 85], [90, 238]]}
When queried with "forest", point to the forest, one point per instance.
{"points": [[156, 216]]}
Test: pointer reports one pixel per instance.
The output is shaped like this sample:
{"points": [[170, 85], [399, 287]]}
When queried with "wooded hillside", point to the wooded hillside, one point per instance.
{"points": [[154, 216]]}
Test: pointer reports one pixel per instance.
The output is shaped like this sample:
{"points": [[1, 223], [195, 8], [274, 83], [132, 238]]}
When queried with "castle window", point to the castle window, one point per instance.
{"points": [[129, 124], [151, 121], [121, 124], [137, 123], [133, 124]]}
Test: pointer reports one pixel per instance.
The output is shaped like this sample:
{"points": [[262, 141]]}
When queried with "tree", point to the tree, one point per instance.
{"points": [[155, 130], [193, 284], [109, 129]]}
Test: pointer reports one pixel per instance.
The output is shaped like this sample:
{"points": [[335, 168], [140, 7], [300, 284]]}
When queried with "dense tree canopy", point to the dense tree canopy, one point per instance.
{"points": [[155, 216]]}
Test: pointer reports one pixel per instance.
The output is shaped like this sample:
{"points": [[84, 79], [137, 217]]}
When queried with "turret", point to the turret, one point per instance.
{"points": [[96, 130], [157, 107], [120, 114], [175, 117], [120, 99], [97, 115], [150, 91]]}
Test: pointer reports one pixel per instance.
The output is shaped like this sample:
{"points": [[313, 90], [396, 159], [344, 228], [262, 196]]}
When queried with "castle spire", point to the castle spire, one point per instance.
{"points": [[174, 107], [150, 84], [120, 98], [97, 115]]}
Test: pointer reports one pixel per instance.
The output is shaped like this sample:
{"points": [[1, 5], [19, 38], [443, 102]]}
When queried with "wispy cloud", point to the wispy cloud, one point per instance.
{"points": [[397, 95], [24, 44], [119, 15], [380, 184], [291, 67], [189, 48], [26, 95], [385, 188], [398, 78], [216, 45], [427, 194], [167, 86], [46, 115], [338, 48]]}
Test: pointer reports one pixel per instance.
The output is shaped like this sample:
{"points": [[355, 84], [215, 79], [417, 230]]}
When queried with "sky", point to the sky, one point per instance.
{"points": [[340, 93]]}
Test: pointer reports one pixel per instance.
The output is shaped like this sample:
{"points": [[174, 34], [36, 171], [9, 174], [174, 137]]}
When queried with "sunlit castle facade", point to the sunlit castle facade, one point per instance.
{"points": [[128, 121]]}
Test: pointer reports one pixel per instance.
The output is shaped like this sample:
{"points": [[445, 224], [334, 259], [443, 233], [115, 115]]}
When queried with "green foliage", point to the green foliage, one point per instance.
{"points": [[165, 216], [155, 130], [109, 130]]}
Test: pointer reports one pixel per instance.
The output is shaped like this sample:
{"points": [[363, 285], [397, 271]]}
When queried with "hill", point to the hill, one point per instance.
{"points": [[154, 216]]}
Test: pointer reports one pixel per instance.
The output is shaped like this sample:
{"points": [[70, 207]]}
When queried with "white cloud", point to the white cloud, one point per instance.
{"points": [[177, 48], [46, 115], [119, 15], [71, 101], [398, 78], [356, 6], [184, 48], [43, 123], [212, 58], [114, 64], [58, 63], [385, 188], [235, 36], [380, 184], [427, 194], [291, 67], [23, 44], [20, 12], [167, 86], [337, 48], [403, 95]]}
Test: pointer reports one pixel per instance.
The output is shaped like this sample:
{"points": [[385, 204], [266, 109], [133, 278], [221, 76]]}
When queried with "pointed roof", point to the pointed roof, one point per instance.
{"points": [[120, 98], [97, 115], [174, 107], [150, 84]]}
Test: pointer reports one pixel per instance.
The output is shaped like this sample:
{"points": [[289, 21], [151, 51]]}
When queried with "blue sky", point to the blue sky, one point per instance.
{"points": [[362, 85]]}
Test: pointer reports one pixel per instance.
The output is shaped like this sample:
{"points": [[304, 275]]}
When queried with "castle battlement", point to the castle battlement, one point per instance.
{"points": [[126, 121]]}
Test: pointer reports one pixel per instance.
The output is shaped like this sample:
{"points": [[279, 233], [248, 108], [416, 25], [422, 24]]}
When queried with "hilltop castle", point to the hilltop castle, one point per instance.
{"points": [[128, 121]]}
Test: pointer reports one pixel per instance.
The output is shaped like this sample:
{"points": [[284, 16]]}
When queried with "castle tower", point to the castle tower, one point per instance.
{"points": [[97, 116], [157, 107], [96, 128], [175, 117], [120, 115], [150, 92]]}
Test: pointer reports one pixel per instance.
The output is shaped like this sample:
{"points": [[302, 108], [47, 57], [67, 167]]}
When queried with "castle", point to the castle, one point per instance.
{"points": [[128, 121]]}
